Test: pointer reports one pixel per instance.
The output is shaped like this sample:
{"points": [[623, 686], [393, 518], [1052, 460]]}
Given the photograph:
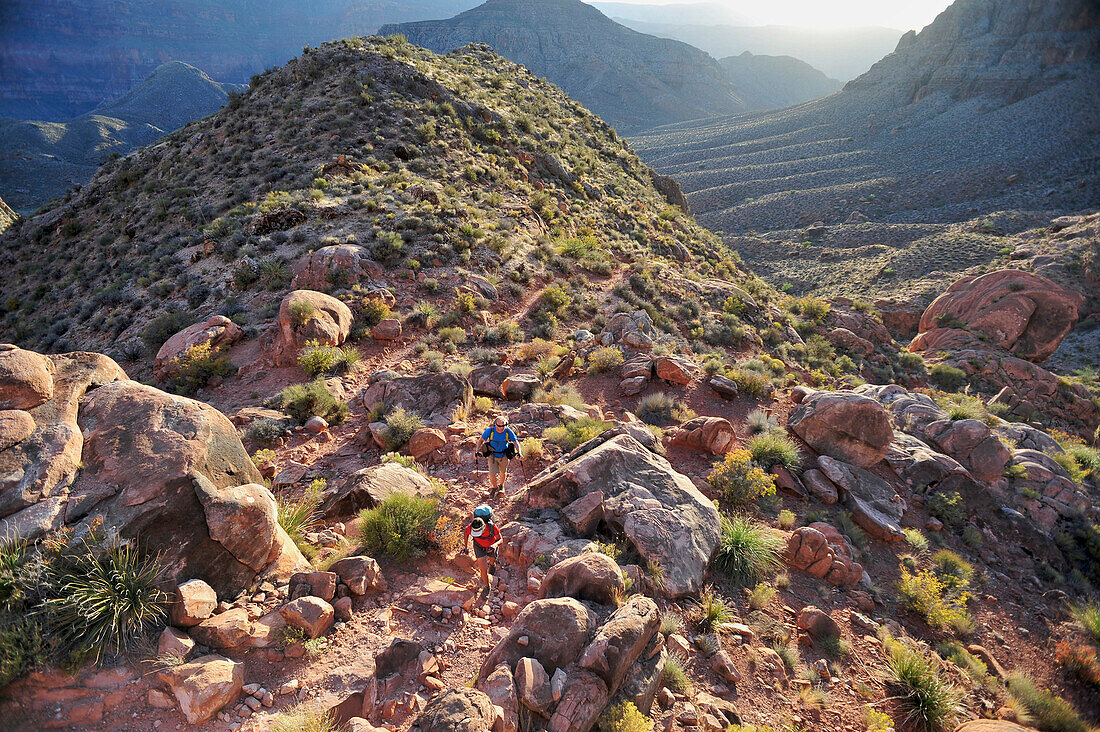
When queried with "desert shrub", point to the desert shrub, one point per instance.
{"points": [[567, 395], [1042, 709], [941, 603], [713, 612], [624, 717], [555, 299], [303, 718], [916, 540], [23, 646], [738, 478], [576, 432], [1088, 617], [530, 447], [673, 675], [947, 377], [299, 516], [928, 702], [318, 358], [301, 312], [747, 551], [1079, 660], [536, 348], [1087, 458], [265, 430], [400, 426], [660, 409], [303, 401], [786, 519], [748, 382], [194, 369], [775, 448], [165, 326], [758, 422], [1070, 465], [401, 526], [811, 308], [948, 508], [762, 595], [373, 310], [955, 571], [262, 456], [604, 359]]}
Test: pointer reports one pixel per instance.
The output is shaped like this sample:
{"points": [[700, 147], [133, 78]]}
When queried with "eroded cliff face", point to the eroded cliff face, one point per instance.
{"points": [[1004, 51], [61, 58]]}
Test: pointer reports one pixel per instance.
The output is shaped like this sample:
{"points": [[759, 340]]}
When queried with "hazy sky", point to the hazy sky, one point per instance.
{"points": [[902, 14]]}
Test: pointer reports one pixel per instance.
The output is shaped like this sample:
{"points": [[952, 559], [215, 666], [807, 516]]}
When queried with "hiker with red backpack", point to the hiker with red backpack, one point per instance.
{"points": [[486, 538]]}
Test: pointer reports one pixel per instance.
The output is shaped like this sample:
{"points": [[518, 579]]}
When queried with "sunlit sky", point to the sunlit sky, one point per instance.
{"points": [[902, 14]]}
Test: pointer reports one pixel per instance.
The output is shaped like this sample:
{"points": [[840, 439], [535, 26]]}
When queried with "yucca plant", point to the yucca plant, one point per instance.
{"points": [[106, 599]]}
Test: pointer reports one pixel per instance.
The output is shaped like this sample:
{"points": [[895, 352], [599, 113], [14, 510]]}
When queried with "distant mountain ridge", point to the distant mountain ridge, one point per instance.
{"points": [[61, 58], [771, 82], [841, 53], [631, 80], [40, 160]]}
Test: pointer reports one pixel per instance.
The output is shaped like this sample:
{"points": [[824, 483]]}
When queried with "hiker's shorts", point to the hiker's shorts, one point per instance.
{"points": [[498, 466], [484, 551]]}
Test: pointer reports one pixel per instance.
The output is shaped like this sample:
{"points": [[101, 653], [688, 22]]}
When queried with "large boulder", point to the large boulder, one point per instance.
{"points": [[435, 397], [874, 504], [339, 264], [307, 315], [821, 551], [620, 641], [708, 434], [660, 511], [583, 699], [368, 487], [457, 710], [973, 444], [553, 631], [592, 576], [921, 467], [217, 331], [500, 687], [990, 725], [41, 396], [26, 378], [843, 425], [1023, 313], [176, 468], [488, 380]]}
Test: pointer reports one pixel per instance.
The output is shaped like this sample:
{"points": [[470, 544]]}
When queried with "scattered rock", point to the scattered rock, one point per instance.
{"points": [[843, 425], [820, 550], [193, 603], [368, 487], [225, 630], [592, 576], [204, 686], [175, 643], [709, 434], [520, 387], [310, 614]]}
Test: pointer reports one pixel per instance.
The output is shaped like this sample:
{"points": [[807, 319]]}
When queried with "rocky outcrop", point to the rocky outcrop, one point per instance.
{"points": [[552, 631], [874, 503], [843, 425], [341, 265], [368, 487], [217, 331], [435, 397], [591, 576], [822, 551], [1019, 312], [166, 471], [659, 511], [307, 315]]}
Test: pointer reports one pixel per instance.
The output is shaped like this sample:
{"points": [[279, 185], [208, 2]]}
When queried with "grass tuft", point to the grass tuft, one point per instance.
{"points": [[747, 551], [928, 702]]}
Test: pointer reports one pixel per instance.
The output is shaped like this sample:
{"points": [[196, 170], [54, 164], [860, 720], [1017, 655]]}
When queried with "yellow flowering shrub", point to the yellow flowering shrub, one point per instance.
{"points": [[739, 478]]}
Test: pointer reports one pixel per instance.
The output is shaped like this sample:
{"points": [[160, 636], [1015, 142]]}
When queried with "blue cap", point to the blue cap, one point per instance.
{"points": [[484, 511]]}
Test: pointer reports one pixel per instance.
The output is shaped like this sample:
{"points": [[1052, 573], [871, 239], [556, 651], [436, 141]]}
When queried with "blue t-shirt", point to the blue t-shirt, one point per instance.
{"points": [[498, 441]]}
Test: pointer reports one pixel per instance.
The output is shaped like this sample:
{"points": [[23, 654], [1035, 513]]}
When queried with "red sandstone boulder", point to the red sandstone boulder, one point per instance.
{"points": [[307, 315], [709, 434], [592, 576], [344, 264], [847, 426], [1023, 313], [26, 378], [217, 331], [820, 550]]}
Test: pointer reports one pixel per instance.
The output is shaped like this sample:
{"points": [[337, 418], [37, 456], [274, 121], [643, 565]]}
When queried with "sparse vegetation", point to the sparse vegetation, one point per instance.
{"points": [[401, 526], [576, 432], [302, 401], [928, 701], [1041, 708], [400, 426], [624, 717], [739, 479], [775, 448], [660, 409], [747, 551]]}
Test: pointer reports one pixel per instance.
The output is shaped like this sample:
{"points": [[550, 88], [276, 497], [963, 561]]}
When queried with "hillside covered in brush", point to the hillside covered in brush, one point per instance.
{"points": [[464, 162]]}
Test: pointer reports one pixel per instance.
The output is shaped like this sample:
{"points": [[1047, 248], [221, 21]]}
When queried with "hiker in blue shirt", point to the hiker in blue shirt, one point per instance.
{"points": [[499, 444]]}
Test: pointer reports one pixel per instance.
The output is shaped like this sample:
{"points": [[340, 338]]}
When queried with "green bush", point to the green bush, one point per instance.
{"points": [[317, 358], [400, 426], [747, 551], [165, 326], [299, 516], [1041, 708], [604, 359], [948, 508], [303, 401], [624, 717], [947, 377], [194, 369], [928, 701], [660, 409], [775, 448], [576, 433], [402, 526], [265, 430]]}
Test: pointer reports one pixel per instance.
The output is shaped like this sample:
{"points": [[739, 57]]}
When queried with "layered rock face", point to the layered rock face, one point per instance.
{"points": [[80, 443], [633, 81]]}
